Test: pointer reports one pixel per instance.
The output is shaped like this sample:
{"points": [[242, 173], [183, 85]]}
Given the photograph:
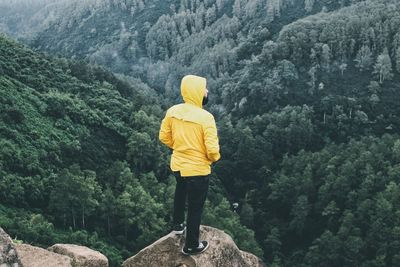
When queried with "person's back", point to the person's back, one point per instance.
{"points": [[191, 132]]}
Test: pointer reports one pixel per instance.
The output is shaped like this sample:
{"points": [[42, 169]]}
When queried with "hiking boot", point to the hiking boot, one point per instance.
{"points": [[192, 251], [179, 229]]}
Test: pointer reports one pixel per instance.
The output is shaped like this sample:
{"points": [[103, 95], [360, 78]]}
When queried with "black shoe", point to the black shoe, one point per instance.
{"points": [[192, 251], [179, 229]]}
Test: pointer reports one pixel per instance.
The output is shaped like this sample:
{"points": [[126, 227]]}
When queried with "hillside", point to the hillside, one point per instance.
{"points": [[17, 18], [63, 124], [306, 99], [80, 158], [158, 41]]}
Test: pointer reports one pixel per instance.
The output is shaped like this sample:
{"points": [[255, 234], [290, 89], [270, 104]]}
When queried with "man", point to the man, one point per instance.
{"points": [[191, 132]]}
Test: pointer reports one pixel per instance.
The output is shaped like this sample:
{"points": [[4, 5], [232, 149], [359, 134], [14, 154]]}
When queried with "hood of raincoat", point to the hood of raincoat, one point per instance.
{"points": [[193, 89]]}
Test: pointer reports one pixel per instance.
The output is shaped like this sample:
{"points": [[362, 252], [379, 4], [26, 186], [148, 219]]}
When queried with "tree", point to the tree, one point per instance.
{"points": [[364, 58], [247, 215], [237, 8], [274, 9], [11, 189], [398, 60], [211, 15], [199, 18], [325, 250], [313, 78], [343, 68], [299, 213], [273, 242], [75, 193], [287, 71], [136, 209], [221, 216], [308, 5], [326, 57], [107, 206], [141, 151], [125, 209], [220, 4], [383, 67], [88, 194]]}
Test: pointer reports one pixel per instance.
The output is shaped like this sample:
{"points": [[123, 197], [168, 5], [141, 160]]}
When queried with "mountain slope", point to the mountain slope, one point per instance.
{"points": [[17, 18], [80, 160], [306, 106], [159, 41], [64, 125], [312, 86]]}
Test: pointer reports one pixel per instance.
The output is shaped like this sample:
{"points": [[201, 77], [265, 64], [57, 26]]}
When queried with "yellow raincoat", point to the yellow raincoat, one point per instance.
{"points": [[190, 131]]}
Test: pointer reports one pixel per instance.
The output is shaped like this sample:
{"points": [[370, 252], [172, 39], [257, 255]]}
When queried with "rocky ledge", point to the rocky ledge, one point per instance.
{"points": [[58, 255], [222, 252], [165, 252]]}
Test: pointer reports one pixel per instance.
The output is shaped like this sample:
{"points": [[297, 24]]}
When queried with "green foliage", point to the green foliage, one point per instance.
{"points": [[335, 204], [222, 217], [85, 159], [35, 229], [306, 104], [74, 194], [64, 125]]}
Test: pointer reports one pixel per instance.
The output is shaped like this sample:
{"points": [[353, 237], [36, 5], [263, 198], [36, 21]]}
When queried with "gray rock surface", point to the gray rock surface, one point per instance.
{"points": [[39, 257], [252, 259], [166, 252], [8, 253], [81, 256]]}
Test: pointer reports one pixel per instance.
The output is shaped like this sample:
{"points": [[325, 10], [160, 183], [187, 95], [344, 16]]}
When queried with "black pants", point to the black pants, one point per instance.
{"points": [[195, 189]]}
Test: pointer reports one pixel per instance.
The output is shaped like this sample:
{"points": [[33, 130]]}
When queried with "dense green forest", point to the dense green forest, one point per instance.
{"points": [[80, 159], [307, 104]]}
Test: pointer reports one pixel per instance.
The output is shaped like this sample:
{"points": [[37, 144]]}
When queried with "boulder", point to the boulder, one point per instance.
{"points": [[252, 259], [38, 257], [81, 256], [222, 252], [8, 254]]}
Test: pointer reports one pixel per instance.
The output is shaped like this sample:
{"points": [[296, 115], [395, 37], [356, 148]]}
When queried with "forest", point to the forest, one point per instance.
{"points": [[81, 161], [306, 100]]}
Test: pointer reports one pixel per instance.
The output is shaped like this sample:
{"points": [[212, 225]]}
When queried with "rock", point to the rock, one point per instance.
{"points": [[252, 259], [59, 255], [8, 254], [81, 256], [222, 252], [38, 257]]}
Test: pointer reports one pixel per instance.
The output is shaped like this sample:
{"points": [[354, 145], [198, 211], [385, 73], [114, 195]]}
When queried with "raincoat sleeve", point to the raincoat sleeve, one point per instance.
{"points": [[165, 134], [211, 140]]}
